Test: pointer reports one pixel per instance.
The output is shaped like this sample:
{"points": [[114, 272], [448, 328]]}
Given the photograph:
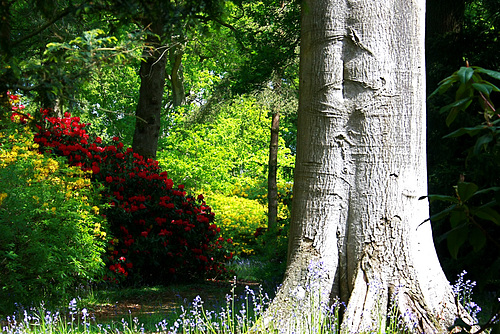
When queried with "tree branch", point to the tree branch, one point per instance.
{"points": [[59, 16]]}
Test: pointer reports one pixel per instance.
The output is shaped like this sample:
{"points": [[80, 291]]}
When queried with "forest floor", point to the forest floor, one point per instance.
{"points": [[161, 302]]}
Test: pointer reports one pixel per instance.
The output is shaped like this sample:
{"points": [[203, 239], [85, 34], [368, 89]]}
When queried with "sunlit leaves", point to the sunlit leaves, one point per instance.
{"points": [[233, 146]]}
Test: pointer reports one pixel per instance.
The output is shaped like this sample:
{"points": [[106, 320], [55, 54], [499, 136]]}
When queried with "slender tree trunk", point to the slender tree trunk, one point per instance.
{"points": [[272, 187], [149, 107], [361, 168], [176, 77]]}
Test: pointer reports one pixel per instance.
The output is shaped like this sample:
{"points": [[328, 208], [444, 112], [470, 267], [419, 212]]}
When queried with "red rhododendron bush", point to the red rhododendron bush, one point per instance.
{"points": [[160, 233]]}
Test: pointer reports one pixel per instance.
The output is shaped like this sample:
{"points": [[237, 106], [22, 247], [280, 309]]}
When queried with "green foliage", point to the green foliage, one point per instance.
{"points": [[473, 209], [51, 236], [232, 147], [108, 102]]}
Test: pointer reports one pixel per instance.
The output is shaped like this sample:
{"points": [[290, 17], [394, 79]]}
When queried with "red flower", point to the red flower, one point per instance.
{"points": [[202, 219], [160, 220], [109, 179], [145, 234]]}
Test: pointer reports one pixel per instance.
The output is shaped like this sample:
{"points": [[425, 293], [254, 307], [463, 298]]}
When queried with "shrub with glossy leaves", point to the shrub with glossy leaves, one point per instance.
{"points": [[161, 233]]}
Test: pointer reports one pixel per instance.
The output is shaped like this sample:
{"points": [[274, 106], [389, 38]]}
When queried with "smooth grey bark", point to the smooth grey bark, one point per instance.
{"points": [[360, 170]]}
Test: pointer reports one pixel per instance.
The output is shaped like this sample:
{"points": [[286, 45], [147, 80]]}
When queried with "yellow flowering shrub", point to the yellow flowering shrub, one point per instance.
{"points": [[238, 219], [51, 236], [258, 191]]}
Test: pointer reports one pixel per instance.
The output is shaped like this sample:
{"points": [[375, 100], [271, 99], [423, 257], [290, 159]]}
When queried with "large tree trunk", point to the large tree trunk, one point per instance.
{"points": [[152, 73], [361, 168]]}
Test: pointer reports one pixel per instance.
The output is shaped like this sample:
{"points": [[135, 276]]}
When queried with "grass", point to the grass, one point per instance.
{"points": [[236, 313], [209, 307]]}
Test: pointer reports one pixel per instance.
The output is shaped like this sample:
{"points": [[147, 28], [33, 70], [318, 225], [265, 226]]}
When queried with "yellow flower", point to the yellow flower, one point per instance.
{"points": [[2, 197], [96, 211], [53, 209], [80, 183]]}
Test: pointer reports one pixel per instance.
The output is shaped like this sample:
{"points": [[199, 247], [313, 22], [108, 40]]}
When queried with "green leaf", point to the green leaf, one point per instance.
{"points": [[458, 218], [482, 191], [462, 131], [477, 239], [493, 87], [464, 90], [440, 215], [451, 116], [493, 74], [464, 74], [466, 190], [11, 255], [445, 198], [465, 102], [455, 239], [482, 141], [488, 213], [483, 87], [444, 85]]}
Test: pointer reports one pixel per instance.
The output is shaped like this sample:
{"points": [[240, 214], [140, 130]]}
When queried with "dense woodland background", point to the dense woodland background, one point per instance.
{"points": [[229, 96]]}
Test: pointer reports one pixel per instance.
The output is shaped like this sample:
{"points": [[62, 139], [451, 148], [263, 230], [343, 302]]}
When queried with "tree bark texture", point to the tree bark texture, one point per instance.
{"points": [[272, 187], [152, 73], [361, 168]]}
